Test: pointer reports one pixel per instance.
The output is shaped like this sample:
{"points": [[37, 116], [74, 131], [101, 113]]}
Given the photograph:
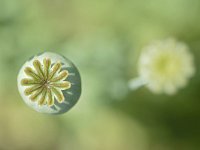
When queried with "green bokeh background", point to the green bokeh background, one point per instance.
{"points": [[104, 39]]}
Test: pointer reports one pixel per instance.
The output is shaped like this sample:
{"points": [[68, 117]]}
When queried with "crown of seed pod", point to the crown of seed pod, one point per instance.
{"points": [[49, 83]]}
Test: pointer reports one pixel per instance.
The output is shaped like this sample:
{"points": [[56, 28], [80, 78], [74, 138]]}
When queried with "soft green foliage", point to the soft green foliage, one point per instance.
{"points": [[104, 39]]}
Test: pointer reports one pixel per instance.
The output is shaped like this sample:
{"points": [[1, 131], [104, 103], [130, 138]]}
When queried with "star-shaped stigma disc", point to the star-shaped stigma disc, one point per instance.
{"points": [[46, 82]]}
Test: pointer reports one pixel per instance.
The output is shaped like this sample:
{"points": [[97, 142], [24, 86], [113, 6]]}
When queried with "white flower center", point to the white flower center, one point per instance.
{"points": [[166, 65]]}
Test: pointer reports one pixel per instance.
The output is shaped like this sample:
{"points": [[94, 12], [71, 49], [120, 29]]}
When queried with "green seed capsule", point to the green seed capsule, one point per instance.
{"points": [[45, 81]]}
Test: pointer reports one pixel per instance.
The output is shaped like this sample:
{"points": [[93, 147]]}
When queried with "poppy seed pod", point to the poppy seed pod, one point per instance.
{"points": [[49, 83]]}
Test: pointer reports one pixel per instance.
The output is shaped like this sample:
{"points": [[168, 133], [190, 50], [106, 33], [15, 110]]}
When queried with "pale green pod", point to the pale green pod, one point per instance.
{"points": [[49, 83]]}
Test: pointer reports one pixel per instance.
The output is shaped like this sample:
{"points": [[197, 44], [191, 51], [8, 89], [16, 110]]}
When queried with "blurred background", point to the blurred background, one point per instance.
{"points": [[104, 39]]}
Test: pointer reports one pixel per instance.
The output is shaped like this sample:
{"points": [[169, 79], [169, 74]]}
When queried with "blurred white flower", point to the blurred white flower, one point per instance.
{"points": [[165, 66]]}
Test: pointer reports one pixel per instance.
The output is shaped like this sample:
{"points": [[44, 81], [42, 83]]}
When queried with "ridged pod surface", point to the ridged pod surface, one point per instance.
{"points": [[49, 83]]}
